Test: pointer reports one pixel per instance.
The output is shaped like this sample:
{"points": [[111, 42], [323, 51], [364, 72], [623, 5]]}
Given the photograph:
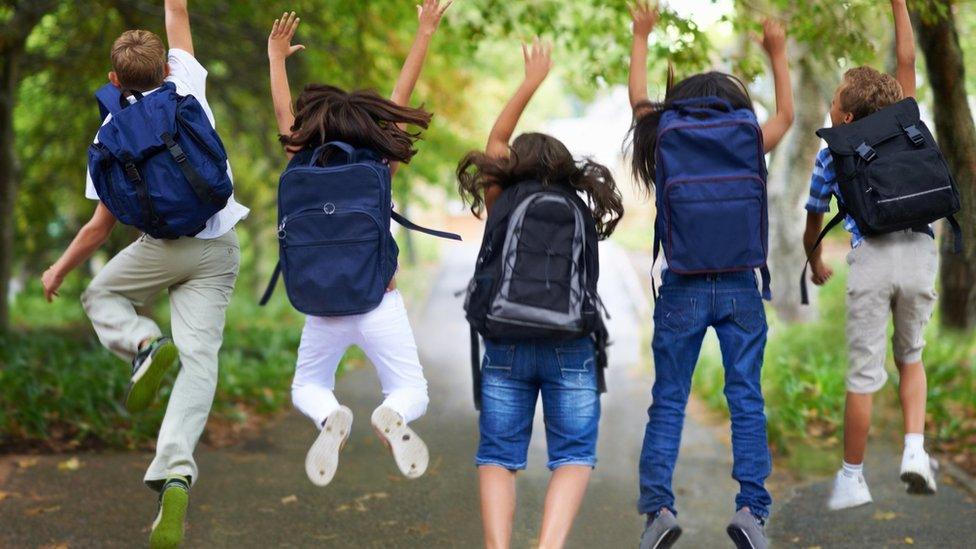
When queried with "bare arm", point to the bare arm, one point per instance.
{"points": [[178, 33], [774, 42], [820, 272], [89, 238], [429, 14], [538, 61], [279, 49], [904, 47], [645, 18]]}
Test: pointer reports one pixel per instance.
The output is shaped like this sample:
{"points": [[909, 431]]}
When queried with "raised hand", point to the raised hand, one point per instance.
{"points": [[538, 60], [774, 37], [279, 42], [430, 13], [645, 16]]}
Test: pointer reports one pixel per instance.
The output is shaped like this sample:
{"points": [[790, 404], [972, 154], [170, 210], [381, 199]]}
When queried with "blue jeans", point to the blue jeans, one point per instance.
{"points": [[730, 303], [513, 374]]}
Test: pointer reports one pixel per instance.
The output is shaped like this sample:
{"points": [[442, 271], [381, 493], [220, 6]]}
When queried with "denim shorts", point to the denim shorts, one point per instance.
{"points": [[514, 373]]}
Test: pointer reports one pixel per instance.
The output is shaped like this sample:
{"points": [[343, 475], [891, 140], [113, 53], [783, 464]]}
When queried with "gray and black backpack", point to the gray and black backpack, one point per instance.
{"points": [[537, 272]]}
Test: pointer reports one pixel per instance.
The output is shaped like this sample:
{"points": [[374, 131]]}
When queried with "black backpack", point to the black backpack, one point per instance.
{"points": [[891, 175], [536, 273]]}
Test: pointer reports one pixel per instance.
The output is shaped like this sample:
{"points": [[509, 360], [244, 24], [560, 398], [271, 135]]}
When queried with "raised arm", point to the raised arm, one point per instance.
{"points": [[774, 42], [429, 14], [904, 47], [645, 18], [178, 33], [538, 61], [279, 49]]}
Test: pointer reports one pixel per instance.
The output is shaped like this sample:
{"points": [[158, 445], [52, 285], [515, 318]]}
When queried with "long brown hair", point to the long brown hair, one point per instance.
{"points": [[543, 158], [361, 118]]}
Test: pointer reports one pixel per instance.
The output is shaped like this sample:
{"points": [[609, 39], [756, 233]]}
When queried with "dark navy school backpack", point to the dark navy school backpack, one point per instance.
{"points": [[159, 165], [711, 190], [336, 251]]}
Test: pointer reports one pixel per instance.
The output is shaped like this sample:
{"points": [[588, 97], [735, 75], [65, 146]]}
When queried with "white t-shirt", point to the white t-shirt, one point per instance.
{"points": [[190, 78]]}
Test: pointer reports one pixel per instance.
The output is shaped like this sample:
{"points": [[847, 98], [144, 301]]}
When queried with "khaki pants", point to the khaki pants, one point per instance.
{"points": [[891, 275], [200, 276]]}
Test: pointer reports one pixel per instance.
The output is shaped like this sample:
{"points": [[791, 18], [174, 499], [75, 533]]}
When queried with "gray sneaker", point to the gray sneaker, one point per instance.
{"points": [[661, 532], [747, 531]]}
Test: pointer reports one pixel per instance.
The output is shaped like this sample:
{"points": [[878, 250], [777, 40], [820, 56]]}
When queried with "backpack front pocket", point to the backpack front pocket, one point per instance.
{"points": [[333, 263], [715, 225], [910, 187]]}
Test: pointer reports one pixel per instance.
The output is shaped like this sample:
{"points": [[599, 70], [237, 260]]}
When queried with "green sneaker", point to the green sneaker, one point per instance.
{"points": [[148, 369], [167, 529]]}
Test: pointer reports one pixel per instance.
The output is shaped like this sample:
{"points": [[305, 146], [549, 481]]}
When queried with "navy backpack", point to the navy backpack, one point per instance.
{"points": [[159, 165], [336, 251], [711, 190]]}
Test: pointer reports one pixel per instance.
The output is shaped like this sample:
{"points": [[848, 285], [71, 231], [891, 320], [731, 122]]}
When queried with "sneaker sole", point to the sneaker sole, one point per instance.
{"points": [[917, 484], [409, 450], [322, 459], [167, 532], [146, 381], [739, 538], [668, 539]]}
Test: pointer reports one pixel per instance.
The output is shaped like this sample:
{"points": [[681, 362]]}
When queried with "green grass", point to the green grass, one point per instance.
{"points": [[60, 389], [803, 382]]}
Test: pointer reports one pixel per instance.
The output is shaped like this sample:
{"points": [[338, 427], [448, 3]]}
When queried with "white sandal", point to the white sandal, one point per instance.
{"points": [[322, 459], [409, 451]]}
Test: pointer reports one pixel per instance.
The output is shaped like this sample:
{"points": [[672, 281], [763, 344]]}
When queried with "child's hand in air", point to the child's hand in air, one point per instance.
{"points": [[821, 273], [774, 38], [430, 14], [538, 60], [279, 42], [644, 16], [51, 280]]}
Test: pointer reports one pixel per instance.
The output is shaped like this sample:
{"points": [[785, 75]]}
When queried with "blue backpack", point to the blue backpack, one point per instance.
{"points": [[336, 251], [159, 165], [711, 190]]}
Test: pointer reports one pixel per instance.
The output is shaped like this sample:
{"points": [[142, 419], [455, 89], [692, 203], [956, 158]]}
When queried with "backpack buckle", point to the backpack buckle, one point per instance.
{"points": [[177, 151], [131, 173], [866, 152], [915, 135]]}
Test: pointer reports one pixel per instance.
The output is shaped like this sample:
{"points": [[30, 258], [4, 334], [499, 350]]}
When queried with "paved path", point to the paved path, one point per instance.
{"points": [[256, 494]]}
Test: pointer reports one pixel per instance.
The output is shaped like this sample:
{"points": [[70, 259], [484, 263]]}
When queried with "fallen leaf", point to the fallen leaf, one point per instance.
{"points": [[40, 510], [62, 545], [5, 495], [909, 541], [885, 515], [24, 463], [72, 464], [289, 499], [795, 540]]}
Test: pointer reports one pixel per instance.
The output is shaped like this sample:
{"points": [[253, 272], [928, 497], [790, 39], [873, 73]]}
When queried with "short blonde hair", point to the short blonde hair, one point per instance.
{"points": [[865, 91], [139, 60]]}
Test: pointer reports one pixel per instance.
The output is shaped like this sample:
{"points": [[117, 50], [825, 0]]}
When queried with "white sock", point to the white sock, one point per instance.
{"points": [[853, 471], [914, 442]]}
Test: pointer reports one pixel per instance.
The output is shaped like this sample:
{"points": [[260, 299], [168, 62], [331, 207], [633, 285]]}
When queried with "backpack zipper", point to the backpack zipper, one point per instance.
{"points": [[913, 195]]}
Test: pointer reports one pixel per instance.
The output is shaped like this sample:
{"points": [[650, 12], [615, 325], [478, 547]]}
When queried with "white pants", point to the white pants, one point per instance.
{"points": [[384, 334]]}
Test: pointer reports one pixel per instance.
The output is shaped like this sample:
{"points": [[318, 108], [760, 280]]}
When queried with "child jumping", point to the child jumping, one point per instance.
{"points": [[366, 125], [890, 274], [533, 298], [197, 267], [709, 178]]}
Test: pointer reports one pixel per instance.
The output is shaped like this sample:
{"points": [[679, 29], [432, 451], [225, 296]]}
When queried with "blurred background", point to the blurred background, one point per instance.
{"points": [[61, 393]]}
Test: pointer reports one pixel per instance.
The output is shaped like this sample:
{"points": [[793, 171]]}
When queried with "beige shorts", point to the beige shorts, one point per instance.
{"points": [[891, 275]]}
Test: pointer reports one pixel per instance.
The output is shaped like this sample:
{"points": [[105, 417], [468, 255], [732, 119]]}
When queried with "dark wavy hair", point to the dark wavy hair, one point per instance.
{"points": [[643, 131], [361, 118], [543, 158]]}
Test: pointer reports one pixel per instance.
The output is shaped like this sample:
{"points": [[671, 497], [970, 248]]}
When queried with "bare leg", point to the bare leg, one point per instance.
{"points": [[563, 498], [497, 486], [912, 390], [857, 423]]}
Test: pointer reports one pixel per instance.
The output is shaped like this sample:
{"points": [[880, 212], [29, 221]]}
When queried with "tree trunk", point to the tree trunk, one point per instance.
{"points": [[939, 41], [8, 179], [789, 185]]}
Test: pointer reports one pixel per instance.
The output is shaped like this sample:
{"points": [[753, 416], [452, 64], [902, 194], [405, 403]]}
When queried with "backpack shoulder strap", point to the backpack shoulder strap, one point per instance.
{"points": [[476, 367], [271, 285], [841, 214], [407, 224]]}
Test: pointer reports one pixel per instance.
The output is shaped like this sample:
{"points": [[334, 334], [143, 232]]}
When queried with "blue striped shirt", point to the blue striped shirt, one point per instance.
{"points": [[823, 186]]}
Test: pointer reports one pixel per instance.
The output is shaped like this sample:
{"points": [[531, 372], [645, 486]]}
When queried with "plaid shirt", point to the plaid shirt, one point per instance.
{"points": [[823, 185]]}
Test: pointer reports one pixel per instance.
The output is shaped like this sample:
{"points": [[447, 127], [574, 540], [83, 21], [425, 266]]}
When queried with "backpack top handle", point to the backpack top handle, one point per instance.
{"points": [[320, 153], [704, 105]]}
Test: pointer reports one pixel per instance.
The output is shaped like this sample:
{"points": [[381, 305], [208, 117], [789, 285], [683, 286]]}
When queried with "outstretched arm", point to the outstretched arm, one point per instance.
{"points": [[645, 18], [178, 33], [89, 238], [904, 47], [538, 61], [279, 49], [774, 42]]}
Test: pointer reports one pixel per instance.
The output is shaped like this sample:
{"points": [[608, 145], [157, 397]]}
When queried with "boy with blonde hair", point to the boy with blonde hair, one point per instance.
{"points": [[198, 267]]}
